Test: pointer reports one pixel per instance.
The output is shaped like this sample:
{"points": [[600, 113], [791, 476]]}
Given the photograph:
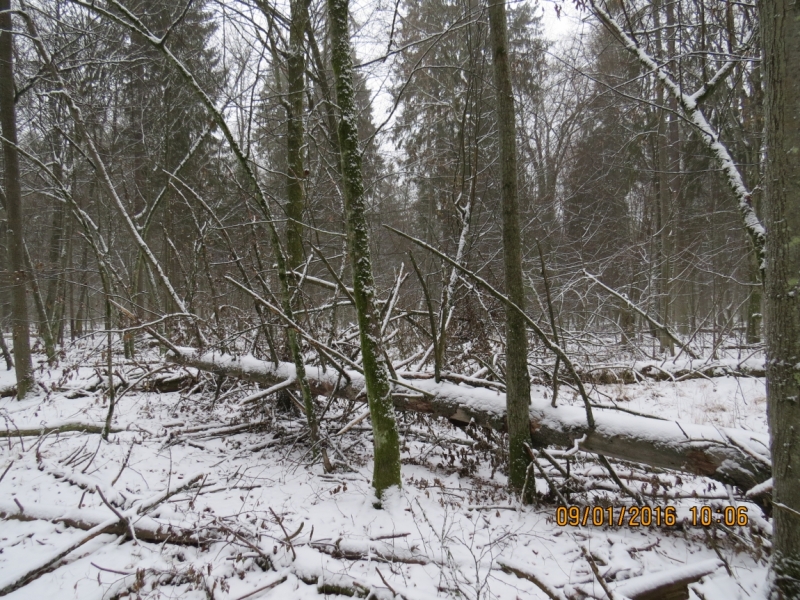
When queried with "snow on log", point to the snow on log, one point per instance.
{"points": [[731, 456], [146, 528], [673, 370], [671, 584]]}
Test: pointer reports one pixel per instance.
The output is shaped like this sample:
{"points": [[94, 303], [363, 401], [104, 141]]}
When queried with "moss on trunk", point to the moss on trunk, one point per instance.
{"points": [[376, 373]]}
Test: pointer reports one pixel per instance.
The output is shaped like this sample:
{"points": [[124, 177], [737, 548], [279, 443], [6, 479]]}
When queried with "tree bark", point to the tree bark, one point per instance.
{"points": [[517, 377], [780, 36], [295, 192], [664, 165], [376, 373], [16, 249]]}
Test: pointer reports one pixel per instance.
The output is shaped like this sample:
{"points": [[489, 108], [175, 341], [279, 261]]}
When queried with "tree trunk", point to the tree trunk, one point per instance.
{"points": [[731, 456], [295, 76], [753, 321], [295, 192], [16, 250], [663, 140], [376, 373], [780, 35], [517, 378]]}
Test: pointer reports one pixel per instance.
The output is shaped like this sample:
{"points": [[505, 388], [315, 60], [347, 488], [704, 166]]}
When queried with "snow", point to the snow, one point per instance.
{"points": [[445, 534], [641, 584]]}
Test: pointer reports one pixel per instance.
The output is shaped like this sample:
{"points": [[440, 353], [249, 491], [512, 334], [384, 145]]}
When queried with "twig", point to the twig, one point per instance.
{"points": [[534, 461], [611, 595], [7, 469], [534, 578], [671, 334], [386, 583], [120, 516], [553, 327], [437, 366], [107, 570], [353, 423], [712, 541], [124, 464], [264, 588], [286, 534], [618, 481]]}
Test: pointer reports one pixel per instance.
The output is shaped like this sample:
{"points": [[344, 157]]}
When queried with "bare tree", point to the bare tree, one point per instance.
{"points": [[13, 206]]}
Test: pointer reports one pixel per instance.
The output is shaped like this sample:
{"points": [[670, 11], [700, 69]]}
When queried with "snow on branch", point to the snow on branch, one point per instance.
{"points": [[690, 105]]}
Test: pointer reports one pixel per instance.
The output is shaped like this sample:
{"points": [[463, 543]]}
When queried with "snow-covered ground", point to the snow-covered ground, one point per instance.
{"points": [[266, 517]]}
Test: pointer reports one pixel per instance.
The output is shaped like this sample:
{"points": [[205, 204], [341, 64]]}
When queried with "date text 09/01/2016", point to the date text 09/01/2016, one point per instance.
{"points": [[648, 516]]}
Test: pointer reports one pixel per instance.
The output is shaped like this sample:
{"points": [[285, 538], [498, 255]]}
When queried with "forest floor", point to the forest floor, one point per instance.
{"points": [[264, 521]]}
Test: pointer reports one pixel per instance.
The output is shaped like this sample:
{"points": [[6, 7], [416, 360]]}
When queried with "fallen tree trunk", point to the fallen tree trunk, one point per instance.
{"points": [[671, 584], [672, 370], [731, 456]]}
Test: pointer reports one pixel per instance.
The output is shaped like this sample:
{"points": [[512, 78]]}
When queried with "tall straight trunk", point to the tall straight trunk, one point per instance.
{"points": [[295, 191], [386, 472], [55, 259], [518, 386], [665, 230], [780, 36], [753, 317], [295, 75], [4, 285], [676, 301], [663, 140], [16, 249]]}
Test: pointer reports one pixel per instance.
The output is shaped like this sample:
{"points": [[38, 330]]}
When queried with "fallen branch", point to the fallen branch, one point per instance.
{"points": [[525, 572], [114, 525], [353, 550], [671, 371], [75, 426], [661, 327]]}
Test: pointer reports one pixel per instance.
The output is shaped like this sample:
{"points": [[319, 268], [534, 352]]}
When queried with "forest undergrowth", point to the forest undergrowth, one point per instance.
{"points": [[208, 489]]}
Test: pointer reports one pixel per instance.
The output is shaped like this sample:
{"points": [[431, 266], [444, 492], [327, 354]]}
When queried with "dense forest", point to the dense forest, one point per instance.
{"points": [[505, 284]]}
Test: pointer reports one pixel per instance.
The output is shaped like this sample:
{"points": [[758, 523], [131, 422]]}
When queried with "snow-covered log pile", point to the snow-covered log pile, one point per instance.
{"points": [[731, 456]]}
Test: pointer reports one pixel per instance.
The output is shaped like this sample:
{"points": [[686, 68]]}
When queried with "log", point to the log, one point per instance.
{"points": [[672, 584], [672, 370], [66, 427], [731, 456], [146, 529]]}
